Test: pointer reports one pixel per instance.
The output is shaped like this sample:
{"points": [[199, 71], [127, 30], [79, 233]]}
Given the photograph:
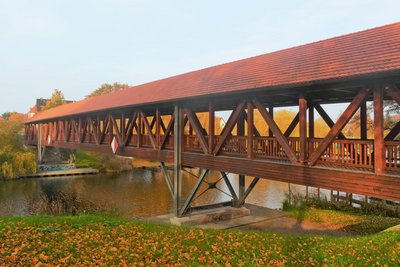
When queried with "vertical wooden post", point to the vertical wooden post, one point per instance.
{"points": [[363, 121], [158, 118], [250, 125], [177, 157], [111, 130], [240, 125], [271, 112], [122, 127], [211, 128], [39, 142], [139, 130], [242, 186], [311, 128], [303, 127], [379, 148]]}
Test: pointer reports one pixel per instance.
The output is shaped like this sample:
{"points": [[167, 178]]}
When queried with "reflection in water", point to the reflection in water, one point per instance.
{"points": [[140, 193]]}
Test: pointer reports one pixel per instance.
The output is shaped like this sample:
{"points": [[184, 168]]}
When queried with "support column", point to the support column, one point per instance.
{"points": [[158, 124], [271, 112], [379, 148], [211, 128], [242, 186], [250, 125], [363, 121], [303, 128], [177, 157], [39, 143], [311, 122]]}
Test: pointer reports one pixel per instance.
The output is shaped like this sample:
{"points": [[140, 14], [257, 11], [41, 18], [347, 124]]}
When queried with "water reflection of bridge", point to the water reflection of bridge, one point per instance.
{"points": [[160, 120]]}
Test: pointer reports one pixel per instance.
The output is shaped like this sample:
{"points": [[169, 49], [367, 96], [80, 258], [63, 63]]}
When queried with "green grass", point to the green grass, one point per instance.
{"points": [[103, 240], [88, 160], [350, 222]]}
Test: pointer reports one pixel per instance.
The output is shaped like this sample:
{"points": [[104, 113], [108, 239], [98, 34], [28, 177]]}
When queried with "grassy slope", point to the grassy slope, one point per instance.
{"points": [[350, 222], [82, 240], [88, 160]]}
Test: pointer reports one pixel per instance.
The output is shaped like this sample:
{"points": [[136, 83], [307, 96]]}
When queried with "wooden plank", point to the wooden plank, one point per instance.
{"points": [[194, 122], [365, 183], [229, 126], [379, 146], [276, 131], [339, 125], [250, 127], [326, 118], [303, 127]]}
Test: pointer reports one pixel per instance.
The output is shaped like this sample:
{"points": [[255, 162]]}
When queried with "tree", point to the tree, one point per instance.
{"points": [[7, 114], [108, 88], [57, 99]]}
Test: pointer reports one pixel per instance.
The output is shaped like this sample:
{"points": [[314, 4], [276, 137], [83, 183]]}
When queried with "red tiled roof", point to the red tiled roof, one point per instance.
{"points": [[1, 118], [371, 51]]}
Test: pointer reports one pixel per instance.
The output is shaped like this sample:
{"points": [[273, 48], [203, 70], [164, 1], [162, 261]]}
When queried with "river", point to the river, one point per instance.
{"points": [[138, 194]]}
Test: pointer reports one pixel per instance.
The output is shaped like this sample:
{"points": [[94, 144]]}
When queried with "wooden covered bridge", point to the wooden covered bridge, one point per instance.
{"points": [[159, 120]]}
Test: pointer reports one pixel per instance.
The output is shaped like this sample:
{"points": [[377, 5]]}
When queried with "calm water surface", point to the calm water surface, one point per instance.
{"points": [[140, 193]]}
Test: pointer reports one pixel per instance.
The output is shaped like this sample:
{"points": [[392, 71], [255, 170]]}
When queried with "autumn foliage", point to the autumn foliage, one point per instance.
{"points": [[107, 241]]}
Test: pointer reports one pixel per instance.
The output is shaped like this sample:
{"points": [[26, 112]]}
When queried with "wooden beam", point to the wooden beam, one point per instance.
{"points": [[94, 131], [311, 121], [167, 132], [303, 127], [106, 124], [229, 126], [292, 125], [338, 126], [394, 92], [379, 146], [276, 131], [139, 130], [194, 122], [123, 127], [250, 127], [255, 131], [393, 133], [271, 112], [211, 128], [158, 130], [131, 125], [116, 132], [363, 121], [149, 131], [327, 119]]}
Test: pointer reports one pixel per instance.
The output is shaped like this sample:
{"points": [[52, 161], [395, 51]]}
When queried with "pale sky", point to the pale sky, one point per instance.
{"points": [[75, 46]]}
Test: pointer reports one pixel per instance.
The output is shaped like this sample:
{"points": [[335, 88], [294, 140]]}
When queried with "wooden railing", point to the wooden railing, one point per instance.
{"points": [[268, 148], [346, 153], [392, 149]]}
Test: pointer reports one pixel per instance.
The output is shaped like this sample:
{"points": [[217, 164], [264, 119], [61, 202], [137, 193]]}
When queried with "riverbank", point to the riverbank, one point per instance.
{"points": [[104, 240]]}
